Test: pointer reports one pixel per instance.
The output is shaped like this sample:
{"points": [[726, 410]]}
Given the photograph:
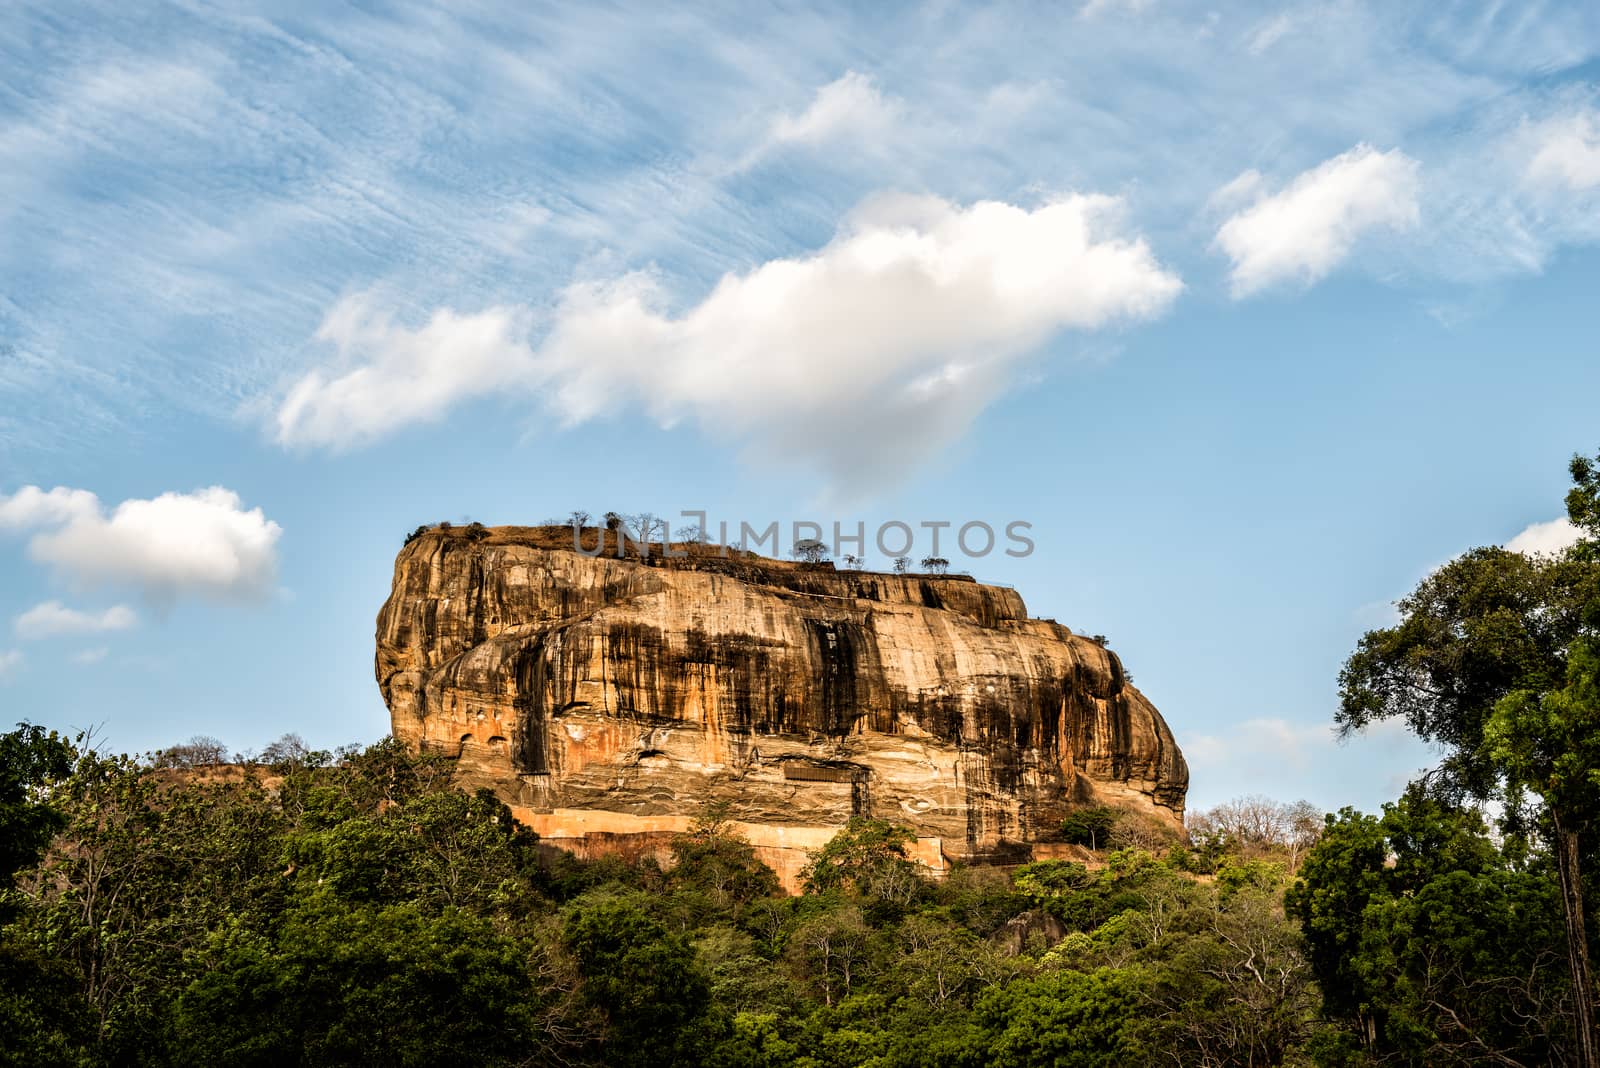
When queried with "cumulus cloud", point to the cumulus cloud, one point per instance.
{"points": [[401, 376], [860, 357], [33, 507], [10, 661], [851, 107], [90, 656], [52, 619], [1309, 227], [1546, 539], [1566, 152], [204, 542]]}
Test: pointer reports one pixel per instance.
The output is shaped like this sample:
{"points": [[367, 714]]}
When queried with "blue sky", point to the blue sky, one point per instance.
{"points": [[1255, 312]]}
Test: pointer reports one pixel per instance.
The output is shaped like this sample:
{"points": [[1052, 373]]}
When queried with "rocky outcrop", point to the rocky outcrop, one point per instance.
{"points": [[608, 699]]}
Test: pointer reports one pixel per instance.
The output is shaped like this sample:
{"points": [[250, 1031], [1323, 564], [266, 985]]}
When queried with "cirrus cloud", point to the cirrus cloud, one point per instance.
{"points": [[860, 357], [204, 542], [1309, 227]]}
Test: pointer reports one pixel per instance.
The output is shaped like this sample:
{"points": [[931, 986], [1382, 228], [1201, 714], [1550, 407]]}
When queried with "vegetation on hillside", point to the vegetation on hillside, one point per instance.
{"points": [[358, 909]]}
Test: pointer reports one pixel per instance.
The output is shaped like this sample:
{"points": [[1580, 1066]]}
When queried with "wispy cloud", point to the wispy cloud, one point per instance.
{"points": [[1309, 227], [1094, 8], [1270, 33], [1566, 151], [852, 108], [10, 663], [53, 619], [1290, 758]]}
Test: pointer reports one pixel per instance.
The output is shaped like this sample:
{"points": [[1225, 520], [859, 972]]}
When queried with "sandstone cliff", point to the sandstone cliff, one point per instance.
{"points": [[607, 699]]}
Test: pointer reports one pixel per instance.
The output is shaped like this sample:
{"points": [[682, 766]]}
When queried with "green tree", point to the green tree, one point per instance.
{"points": [[756, 1040], [42, 1018], [1089, 826], [640, 976], [346, 984], [1483, 661], [1066, 1019], [712, 859], [441, 848], [831, 950], [32, 762], [868, 858], [1430, 943], [1549, 743]]}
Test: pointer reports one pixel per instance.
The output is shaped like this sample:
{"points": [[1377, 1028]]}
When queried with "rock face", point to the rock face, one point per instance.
{"points": [[606, 700]]}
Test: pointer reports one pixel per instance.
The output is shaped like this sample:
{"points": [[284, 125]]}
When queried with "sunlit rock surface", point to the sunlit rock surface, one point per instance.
{"points": [[606, 700]]}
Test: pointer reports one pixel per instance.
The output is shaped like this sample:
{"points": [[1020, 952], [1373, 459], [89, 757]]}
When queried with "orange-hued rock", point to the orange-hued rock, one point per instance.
{"points": [[606, 700]]}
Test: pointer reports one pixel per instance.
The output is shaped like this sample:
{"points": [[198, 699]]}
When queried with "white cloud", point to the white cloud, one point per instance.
{"points": [[1241, 190], [203, 542], [1094, 8], [851, 107], [1546, 538], [1270, 33], [861, 357], [90, 656], [1308, 228], [401, 376], [33, 507], [631, 153], [52, 619], [10, 661], [1566, 152]]}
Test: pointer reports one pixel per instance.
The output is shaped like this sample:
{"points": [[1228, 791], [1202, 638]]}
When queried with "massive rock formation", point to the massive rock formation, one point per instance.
{"points": [[606, 700]]}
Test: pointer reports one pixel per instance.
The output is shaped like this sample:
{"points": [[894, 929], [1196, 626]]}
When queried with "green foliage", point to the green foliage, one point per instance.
{"points": [[713, 861], [1489, 623], [347, 984], [32, 761], [1051, 880], [1430, 944], [867, 858], [1583, 500], [1494, 659], [358, 909], [639, 975], [1071, 1019], [1089, 826], [43, 1018], [1549, 742], [756, 1040]]}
